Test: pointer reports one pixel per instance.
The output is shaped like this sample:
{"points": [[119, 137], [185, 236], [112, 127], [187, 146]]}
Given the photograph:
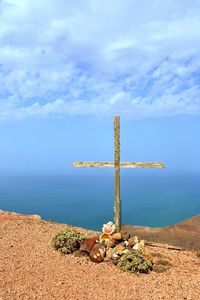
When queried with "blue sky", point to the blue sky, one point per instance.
{"points": [[67, 67]]}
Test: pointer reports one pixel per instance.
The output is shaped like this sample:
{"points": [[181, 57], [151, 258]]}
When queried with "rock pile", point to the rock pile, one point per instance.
{"points": [[113, 246], [127, 252]]}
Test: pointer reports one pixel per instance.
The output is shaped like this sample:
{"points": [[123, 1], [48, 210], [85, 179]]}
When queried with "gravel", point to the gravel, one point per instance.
{"points": [[31, 269]]}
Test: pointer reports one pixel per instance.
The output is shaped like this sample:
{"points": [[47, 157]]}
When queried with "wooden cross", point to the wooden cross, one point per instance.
{"points": [[117, 165]]}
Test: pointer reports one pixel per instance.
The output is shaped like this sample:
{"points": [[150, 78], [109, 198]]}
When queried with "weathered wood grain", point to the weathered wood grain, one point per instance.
{"points": [[133, 164], [104, 164], [93, 164]]}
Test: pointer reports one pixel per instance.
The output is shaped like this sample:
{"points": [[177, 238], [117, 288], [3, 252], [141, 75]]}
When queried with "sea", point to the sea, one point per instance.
{"points": [[87, 200]]}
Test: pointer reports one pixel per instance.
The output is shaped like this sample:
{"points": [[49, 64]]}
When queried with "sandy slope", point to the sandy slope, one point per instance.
{"points": [[184, 234], [31, 269]]}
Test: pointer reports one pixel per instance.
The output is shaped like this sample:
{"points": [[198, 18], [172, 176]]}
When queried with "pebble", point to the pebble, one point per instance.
{"points": [[119, 248], [87, 244], [131, 241], [117, 236], [97, 253], [125, 236]]}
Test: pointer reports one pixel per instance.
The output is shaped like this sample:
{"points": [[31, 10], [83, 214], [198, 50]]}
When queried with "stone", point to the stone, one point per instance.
{"points": [[131, 241], [112, 243], [117, 236], [136, 239], [87, 244], [109, 253], [125, 236], [122, 244], [142, 243], [115, 254], [126, 243], [125, 251], [139, 245], [129, 248], [97, 253], [119, 249]]}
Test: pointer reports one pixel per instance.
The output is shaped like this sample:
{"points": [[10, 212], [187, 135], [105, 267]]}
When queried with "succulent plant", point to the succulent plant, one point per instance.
{"points": [[134, 261], [67, 241]]}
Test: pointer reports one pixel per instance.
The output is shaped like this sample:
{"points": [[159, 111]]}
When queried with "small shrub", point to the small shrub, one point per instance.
{"points": [[161, 266], [67, 241], [157, 254], [134, 262], [163, 262]]}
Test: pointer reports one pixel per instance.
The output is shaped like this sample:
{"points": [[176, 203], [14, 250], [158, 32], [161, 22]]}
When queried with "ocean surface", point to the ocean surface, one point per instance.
{"points": [[87, 200]]}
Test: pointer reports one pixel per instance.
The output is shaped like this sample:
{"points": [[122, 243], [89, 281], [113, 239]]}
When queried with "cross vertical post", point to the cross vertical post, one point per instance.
{"points": [[117, 205], [117, 165]]}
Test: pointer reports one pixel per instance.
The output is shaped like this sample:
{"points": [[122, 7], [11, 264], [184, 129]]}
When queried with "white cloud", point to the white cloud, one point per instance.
{"points": [[88, 57]]}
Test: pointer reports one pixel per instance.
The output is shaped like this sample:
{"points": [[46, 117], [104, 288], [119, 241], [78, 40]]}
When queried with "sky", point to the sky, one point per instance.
{"points": [[67, 67]]}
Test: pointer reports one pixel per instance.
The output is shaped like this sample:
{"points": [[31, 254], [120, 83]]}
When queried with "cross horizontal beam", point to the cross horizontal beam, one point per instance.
{"points": [[104, 164]]}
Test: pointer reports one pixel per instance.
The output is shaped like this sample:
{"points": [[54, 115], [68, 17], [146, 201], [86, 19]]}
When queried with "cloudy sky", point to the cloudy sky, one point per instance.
{"points": [[66, 67]]}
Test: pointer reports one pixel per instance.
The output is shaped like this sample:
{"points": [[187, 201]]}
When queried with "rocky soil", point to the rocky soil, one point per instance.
{"points": [[183, 234], [31, 269]]}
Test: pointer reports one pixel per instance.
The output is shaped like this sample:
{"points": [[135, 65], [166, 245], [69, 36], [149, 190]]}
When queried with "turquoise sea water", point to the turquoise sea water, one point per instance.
{"points": [[86, 200]]}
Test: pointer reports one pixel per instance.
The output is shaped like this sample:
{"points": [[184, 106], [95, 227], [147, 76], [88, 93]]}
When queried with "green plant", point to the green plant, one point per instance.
{"points": [[162, 262], [161, 266], [134, 262], [67, 241]]}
